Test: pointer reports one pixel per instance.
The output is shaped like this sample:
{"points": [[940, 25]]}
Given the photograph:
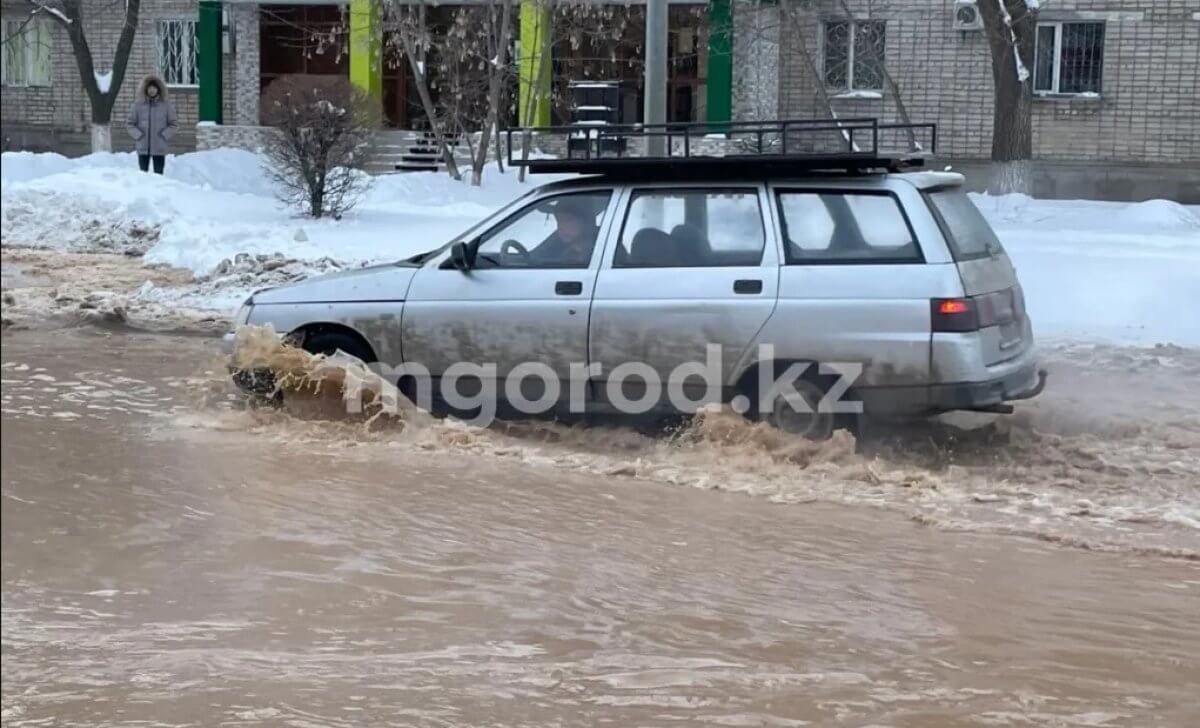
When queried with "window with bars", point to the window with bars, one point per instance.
{"points": [[1069, 59], [853, 55], [26, 57], [177, 52]]}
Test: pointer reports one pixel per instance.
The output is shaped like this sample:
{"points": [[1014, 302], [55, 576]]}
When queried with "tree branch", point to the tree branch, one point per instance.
{"points": [[40, 6], [124, 48]]}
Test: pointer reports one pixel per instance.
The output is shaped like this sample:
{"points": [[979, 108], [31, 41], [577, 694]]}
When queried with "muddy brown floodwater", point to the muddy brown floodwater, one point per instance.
{"points": [[171, 560]]}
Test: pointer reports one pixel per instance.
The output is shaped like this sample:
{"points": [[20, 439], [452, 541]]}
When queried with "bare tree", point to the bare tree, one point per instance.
{"points": [[322, 138], [890, 84], [475, 52], [593, 40], [769, 35], [461, 55], [1011, 27], [101, 87], [414, 38]]}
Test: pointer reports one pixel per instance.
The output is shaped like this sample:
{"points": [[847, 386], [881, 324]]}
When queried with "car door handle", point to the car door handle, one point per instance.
{"points": [[568, 288], [747, 286]]}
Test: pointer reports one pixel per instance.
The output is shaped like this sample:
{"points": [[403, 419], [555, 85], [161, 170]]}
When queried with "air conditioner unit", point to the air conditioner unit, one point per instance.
{"points": [[966, 16]]}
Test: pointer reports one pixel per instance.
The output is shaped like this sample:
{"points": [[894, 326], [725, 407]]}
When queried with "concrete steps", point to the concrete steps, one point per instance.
{"points": [[404, 151]]}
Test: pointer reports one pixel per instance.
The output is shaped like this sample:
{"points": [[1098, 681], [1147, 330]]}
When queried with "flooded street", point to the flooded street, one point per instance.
{"points": [[171, 560]]}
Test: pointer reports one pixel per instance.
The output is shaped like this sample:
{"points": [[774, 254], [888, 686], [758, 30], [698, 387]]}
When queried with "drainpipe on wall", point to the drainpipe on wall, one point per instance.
{"points": [[208, 58], [718, 101]]}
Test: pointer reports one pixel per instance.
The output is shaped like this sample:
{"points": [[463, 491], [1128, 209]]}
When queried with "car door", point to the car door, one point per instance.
{"points": [[690, 267], [524, 300]]}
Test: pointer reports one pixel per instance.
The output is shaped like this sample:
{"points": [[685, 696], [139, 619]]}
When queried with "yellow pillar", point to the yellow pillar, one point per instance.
{"points": [[366, 47], [534, 64]]}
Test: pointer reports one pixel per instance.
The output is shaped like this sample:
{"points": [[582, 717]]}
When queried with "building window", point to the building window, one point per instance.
{"points": [[853, 55], [177, 52], [27, 52], [1069, 59]]}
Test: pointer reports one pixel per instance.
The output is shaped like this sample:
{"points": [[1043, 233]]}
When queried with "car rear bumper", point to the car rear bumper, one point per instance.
{"points": [[1013, 384], [1024, 383]]}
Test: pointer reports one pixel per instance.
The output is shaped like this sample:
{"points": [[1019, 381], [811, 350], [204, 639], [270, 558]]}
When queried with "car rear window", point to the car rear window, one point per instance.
{"points": [[845, 228], [966, 230]]}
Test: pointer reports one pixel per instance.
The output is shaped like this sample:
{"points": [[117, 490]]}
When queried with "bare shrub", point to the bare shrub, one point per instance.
{"points": [[323, 131]]}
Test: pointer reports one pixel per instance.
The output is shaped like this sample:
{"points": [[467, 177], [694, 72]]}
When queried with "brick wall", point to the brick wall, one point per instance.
{"points": [[59, 116], [1148, 111], [756, 30], [243, 91], [235, 136]]}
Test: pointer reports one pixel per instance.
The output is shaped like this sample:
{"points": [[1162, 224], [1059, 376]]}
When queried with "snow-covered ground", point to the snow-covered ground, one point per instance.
{"points": [[1113, 271], [1091, 270]]}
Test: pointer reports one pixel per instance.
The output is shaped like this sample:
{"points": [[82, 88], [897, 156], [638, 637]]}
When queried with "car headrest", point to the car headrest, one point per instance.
{"points": [[653, 247], [691, 243]]}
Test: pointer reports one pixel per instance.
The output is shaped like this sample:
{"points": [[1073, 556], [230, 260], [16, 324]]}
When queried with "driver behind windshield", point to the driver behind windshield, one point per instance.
{"points": [[570, 245]]}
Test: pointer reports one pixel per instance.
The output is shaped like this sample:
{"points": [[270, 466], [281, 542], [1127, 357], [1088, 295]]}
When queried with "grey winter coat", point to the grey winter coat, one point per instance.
{"points": [[151, 123]]}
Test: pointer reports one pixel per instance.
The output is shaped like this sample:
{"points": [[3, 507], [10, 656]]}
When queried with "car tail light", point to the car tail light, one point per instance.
{"points": [[954, 314], [977, 312]]}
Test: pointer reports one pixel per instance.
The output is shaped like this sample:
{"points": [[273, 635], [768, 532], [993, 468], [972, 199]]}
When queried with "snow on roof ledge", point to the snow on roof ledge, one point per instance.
{"points": [[858, 95]]}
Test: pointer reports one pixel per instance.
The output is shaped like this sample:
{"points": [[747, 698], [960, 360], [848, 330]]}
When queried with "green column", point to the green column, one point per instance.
{"points": [[719, 95], [208, 60], [366, 47], [533, 64]]}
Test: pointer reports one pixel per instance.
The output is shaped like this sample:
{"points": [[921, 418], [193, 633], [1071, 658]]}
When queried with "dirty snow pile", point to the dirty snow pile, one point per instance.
{"points": [[1090, 269], [213, 206]]}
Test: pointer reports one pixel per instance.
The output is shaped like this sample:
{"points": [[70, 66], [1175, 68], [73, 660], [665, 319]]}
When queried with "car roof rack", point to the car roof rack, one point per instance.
{"points": [[781, 147]]}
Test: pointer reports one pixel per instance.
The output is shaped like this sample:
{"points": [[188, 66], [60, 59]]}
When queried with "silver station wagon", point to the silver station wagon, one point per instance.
{"points": [[647, 281]]}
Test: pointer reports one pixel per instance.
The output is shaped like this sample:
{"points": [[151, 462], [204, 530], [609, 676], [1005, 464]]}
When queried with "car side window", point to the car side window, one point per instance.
{"points": [[554, 232], [845, 227], [691, 228]]}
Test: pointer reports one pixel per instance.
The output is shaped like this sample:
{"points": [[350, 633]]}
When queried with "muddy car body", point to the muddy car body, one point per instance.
{"points": [[897, 273]]}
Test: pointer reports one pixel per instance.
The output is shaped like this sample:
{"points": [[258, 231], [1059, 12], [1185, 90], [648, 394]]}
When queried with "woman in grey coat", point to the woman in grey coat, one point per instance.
{"points": [[151, 123]]}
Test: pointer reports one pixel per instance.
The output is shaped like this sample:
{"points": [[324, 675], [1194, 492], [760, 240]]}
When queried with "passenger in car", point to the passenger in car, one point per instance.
{"points": [[693, 248], [652, 248], [570, 245]]}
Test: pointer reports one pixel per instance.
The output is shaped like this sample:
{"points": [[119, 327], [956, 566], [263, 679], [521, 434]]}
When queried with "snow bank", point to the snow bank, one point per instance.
{"points": [[1121, 218], [213, 205], [1126, 272], [229, 170], [1118, 271]]}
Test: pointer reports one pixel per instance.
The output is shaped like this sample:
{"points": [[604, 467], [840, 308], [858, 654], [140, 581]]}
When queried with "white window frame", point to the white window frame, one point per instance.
{"points": [[28, 48], [158, 27], [853, 25], [1055, 76]]}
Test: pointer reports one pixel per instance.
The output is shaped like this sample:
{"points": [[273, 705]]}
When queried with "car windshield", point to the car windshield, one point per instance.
{"points": [[965, 228]]}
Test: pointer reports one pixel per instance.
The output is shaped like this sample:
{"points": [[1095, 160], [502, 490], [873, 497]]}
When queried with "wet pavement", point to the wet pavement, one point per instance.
{"points": [[169, 560]]}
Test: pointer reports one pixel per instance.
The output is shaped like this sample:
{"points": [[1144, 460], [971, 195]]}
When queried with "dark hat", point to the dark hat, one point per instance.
{"points": [[584, 205]]}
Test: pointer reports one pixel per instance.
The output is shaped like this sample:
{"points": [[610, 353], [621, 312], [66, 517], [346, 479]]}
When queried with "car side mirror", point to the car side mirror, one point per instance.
{"points": [[462, 256]]}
